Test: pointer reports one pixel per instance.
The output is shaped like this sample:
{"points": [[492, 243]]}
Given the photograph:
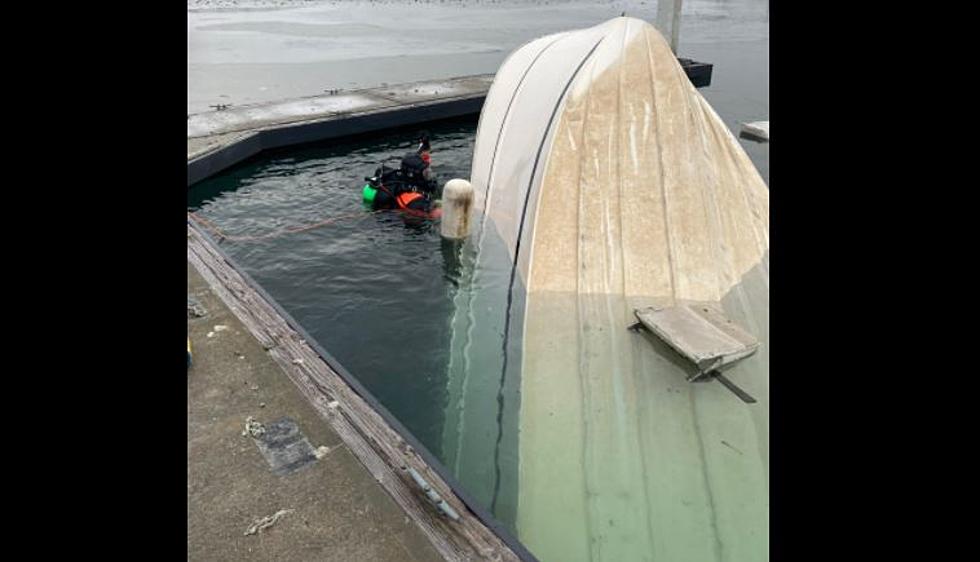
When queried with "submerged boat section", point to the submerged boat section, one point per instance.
{"points": [[605, 185]]}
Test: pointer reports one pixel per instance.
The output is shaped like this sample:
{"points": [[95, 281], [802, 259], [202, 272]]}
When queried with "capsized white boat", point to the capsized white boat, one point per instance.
{"points": [[607, 184]]}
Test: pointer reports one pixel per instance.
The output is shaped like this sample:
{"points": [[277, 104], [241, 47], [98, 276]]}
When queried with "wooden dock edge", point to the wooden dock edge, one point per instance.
{"points": [[373, 435]]}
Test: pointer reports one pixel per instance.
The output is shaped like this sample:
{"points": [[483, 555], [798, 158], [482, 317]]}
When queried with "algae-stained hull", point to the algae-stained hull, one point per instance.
{"points": [[610, 184]]}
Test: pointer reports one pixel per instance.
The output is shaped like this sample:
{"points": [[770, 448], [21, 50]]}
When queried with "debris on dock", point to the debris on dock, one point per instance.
{"points": [[253, 428], [266, 522], [321, 451], [194, 308]]}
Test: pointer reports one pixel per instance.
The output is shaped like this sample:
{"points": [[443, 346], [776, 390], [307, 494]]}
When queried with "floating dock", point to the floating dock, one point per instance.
{"points": [[275, 425], [217, 140], [293, 491]]}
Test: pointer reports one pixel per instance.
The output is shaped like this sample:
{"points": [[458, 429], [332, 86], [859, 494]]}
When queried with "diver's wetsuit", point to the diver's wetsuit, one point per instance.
{"points": [[406, 188]]}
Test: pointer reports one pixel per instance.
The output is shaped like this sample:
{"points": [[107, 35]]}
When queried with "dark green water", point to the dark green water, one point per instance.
{"points": [[374, 291]]}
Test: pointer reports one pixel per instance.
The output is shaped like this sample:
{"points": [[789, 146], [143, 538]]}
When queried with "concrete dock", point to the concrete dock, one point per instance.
{"points": [[217, 140], [275, 426], [331, 507]]}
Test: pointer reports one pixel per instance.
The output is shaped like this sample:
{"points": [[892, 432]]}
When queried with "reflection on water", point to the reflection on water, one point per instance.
{"points": [[480, 435]]}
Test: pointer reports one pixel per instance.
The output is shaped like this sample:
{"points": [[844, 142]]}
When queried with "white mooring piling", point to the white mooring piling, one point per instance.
{"points": [[669, 21], [457, 202]]}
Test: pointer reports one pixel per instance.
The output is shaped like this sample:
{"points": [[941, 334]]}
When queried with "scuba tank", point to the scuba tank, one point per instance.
{"points": [[369, 192], [379, 191]]}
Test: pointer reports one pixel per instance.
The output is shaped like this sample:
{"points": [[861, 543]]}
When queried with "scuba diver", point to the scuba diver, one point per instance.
{"points": [[409, 188]]}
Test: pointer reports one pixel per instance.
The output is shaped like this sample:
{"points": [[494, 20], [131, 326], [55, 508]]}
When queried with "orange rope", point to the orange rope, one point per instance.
{"points": [[289, 230]]}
